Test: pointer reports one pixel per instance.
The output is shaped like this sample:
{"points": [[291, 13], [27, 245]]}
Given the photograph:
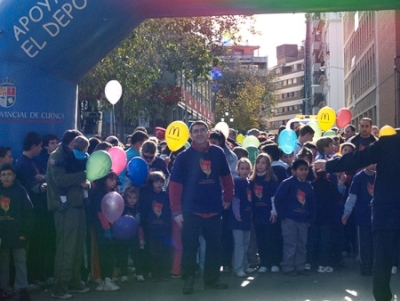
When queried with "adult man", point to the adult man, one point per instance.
{"points": [[364, 137], [386, 203], [349, 132], [28, 175], [70, 224], [196, 202], [306, 133]]}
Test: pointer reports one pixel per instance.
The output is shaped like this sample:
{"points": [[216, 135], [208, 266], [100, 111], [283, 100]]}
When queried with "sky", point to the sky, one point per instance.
{"points": [[277, 29]]}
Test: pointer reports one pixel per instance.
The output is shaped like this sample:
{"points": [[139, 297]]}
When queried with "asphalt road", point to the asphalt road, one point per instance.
{"points": [[344, 284]]}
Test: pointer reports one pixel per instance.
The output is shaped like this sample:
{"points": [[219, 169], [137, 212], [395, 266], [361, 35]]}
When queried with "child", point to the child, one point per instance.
{"points": [[75, 161], [295, 204], [360, 198], [131, 198], [324, 147], [306, 154], [319, 247], [16, 219], [105, 242], [156, 218], [241, 219], [263, 185]]}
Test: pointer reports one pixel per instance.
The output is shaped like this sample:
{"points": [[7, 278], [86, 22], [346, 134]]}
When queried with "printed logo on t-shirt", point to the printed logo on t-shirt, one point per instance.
{"points": [[370, 188], [301, 197], [205, 166], [5, 203], [248, 191], [157, 208], [258, 191]]}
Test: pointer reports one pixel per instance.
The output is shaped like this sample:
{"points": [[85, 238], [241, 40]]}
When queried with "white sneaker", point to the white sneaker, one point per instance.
{"points": [[241, 274], [109, 285], [100, 286], [307, 266], [124, 278], [262, 270], [328, 269], [274, 269], [249, 270], [394, 270], [321, 269], [139, 278]]}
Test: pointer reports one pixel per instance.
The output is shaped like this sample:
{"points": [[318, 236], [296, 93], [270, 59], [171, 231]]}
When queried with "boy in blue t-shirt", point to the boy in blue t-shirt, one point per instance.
{"points": [[360, 198], [295, 204]]}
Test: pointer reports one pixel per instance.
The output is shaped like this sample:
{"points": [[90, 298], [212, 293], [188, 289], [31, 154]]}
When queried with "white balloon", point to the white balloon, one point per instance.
{"points": [[113, 91], [223, 127]]}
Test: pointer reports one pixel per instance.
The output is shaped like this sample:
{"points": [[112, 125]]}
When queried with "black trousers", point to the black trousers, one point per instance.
{"points": [[366, 247], [384, 256], [211, 230]]}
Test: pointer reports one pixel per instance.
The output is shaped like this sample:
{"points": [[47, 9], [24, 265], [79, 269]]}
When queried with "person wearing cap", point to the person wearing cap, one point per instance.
{"points": [[385, 205]]}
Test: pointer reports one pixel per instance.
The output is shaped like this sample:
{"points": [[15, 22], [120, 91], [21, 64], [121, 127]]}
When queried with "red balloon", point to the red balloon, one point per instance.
{"points": [[343, 117]]}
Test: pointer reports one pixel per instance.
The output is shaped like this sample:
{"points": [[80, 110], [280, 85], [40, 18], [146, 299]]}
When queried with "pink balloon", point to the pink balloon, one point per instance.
{"points": [[118, 159], [343, 117], [112, 206]]}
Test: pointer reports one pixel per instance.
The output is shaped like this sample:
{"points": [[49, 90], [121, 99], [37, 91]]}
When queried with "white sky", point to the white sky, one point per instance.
{"points": [[277, 29]]}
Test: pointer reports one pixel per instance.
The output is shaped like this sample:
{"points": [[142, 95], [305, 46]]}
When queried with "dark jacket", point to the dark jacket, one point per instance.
{"points": [[16, 216]]}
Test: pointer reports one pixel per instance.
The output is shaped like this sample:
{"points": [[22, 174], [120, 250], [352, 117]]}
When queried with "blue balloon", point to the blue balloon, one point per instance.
{"points": [[125, 227], [138, 170], [287, 141]]}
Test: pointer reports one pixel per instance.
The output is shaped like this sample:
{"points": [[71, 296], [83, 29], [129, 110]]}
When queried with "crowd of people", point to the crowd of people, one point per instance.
{"points": [[206, 207]]}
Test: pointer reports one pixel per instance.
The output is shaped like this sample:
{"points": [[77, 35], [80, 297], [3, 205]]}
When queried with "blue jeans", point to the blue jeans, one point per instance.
{"points": [[21, 278]]}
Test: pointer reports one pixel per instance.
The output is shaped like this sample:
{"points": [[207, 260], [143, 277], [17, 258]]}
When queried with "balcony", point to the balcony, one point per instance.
{"points": [[315, 47], [316, 68], [316, 89]]}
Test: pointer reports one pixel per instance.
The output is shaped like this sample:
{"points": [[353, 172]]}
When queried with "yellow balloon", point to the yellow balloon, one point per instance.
{"points": [[326, 118], [176, 135], [387, 130], [239, 138]]}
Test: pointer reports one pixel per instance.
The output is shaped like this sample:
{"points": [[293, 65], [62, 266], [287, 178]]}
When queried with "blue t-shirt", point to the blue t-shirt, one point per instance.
{"points": [[242, 193], [261, 193], [295, 200], [363, 187], [199, 173]]}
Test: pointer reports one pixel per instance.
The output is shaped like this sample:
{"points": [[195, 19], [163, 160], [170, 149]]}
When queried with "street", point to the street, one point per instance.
{"points": [[344, 283]]}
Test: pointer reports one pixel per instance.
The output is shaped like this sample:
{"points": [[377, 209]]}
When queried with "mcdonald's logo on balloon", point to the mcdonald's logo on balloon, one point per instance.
{"points": [[326, 118], [176, 135]]}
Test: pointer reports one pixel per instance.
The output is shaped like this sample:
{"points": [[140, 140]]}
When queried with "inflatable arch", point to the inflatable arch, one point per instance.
{"points": [[47, 46]]}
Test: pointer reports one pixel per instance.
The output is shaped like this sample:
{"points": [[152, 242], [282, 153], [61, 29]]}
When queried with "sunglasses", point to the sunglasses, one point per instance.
{"points": [[147, 157]]}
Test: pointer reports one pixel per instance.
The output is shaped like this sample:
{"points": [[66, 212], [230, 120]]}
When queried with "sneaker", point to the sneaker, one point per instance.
{"points": [[274, 269], [216, 286], [114, 279], [22, 295], [241, 274], [307, 266], [140, 278], [131, 270], [61, 295], [321, 269], [109, 285], [176, 276], [188, 286], [249, 270], [394, 270], [79, 290], [124, 278], [100, 286], [262, 270], [227, 269], [328, 269]]}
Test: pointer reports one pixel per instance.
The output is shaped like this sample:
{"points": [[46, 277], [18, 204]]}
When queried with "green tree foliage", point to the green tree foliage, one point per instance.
{"points": [[246, 97], [147, 61]]}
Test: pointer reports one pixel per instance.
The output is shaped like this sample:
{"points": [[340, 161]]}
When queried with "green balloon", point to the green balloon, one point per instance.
{"points": [[330, 133], [98, 165], [317, 130], [253, 153]]}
